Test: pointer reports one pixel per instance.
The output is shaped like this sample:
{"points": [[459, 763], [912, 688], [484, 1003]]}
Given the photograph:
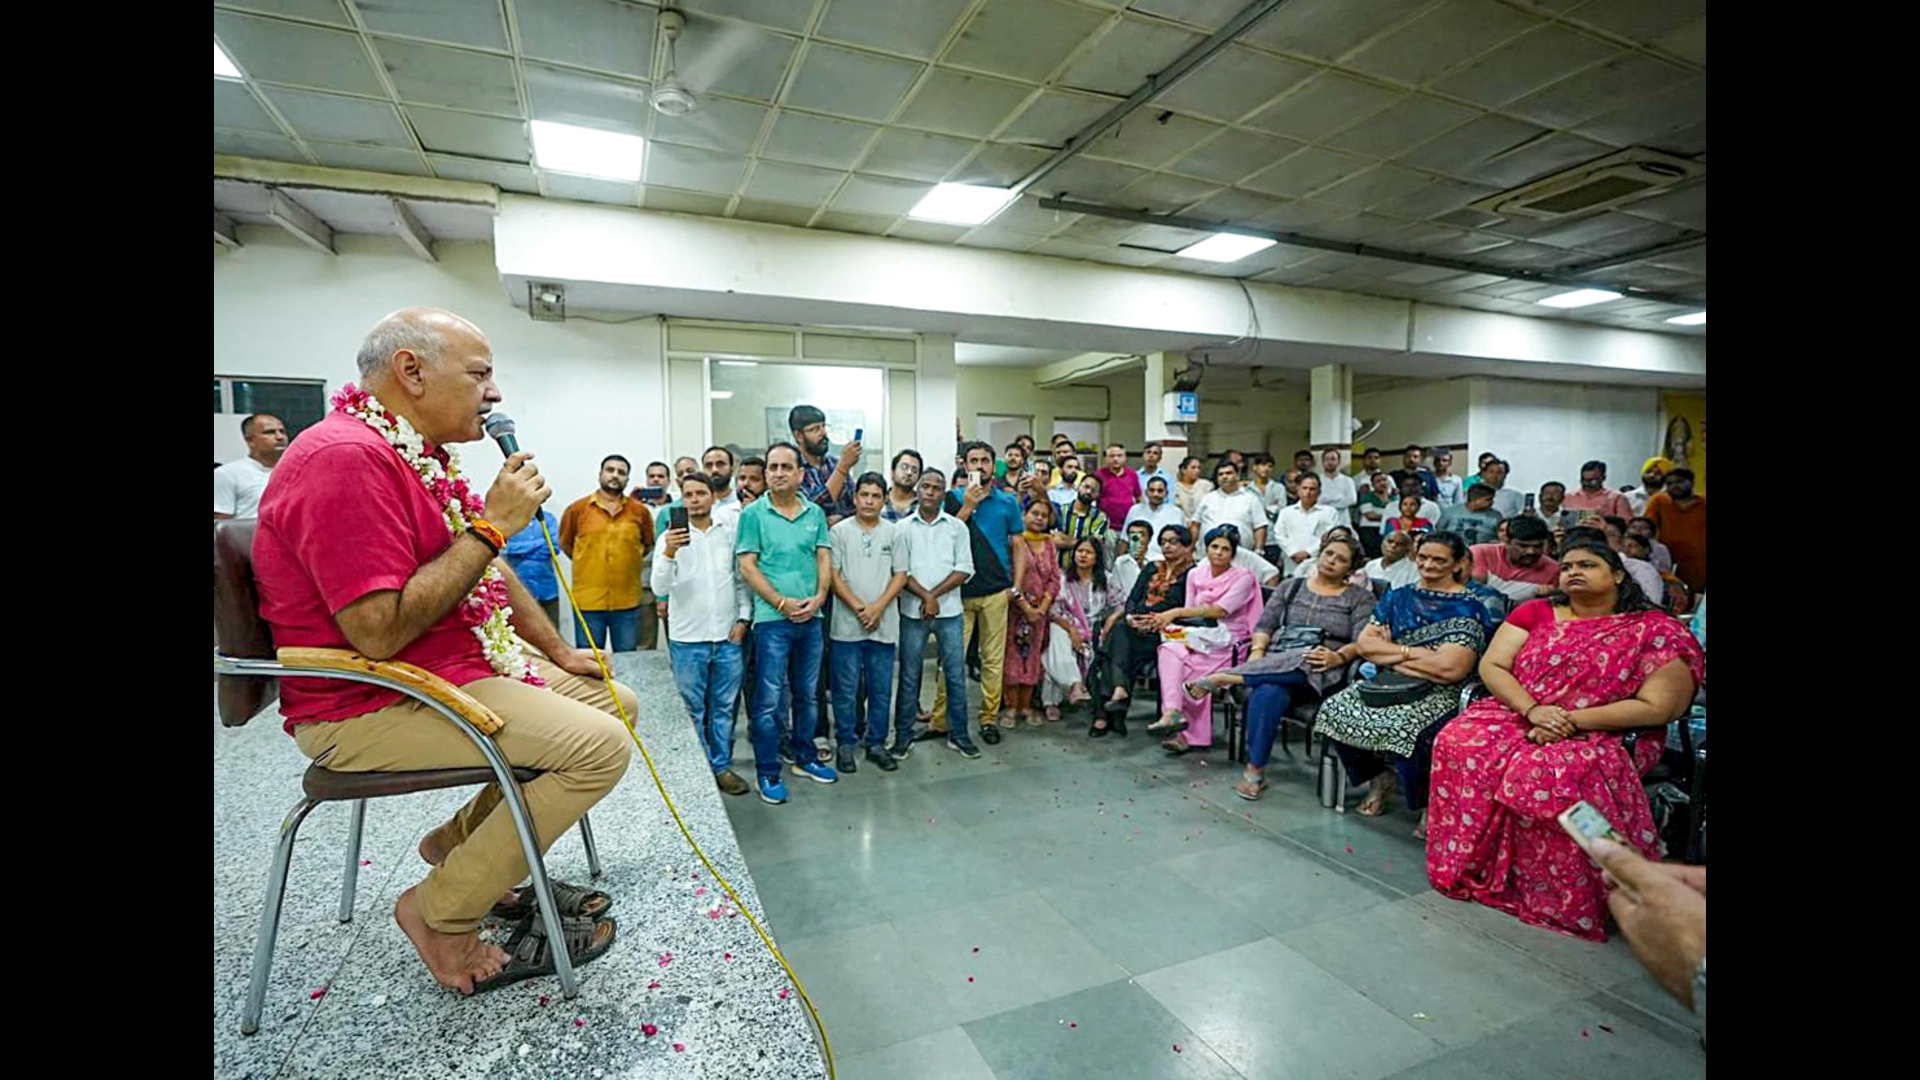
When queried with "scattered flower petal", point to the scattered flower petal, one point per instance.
{"points": [[701, 891], [785, 993], [976, 948], [318, 994], [666, 958], [1074, 1024], [726, 956], [649, 1030], [366, 862], [1585, 1034], [579, 1022], [969, 978], [543, 1000], [678, 1047], [1176, 1049], [654, 985], [1349, 849]]}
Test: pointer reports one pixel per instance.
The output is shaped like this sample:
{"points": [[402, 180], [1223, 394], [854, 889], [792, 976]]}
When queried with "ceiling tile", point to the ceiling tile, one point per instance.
{"points": [[370, 158], [1055, 117], [1326, 104], [1688, 42], [499, 174], [1026, 216], [1163, 238], [1164, 193], [1128, 256], [915, 155], [879, 195], [1085, 179], [693, 168], [1354, 228], [274, 51], [799, 184], [1233, 206], [1368, 189], [1524, 65], [339, 119], [1205, 14], [253, 144], [1652, 121], [1444, 37], [999, 239], [1303, 172], [1599, 89], [591, 189], [1233, 82], [959, 103], [451, 221], [472, 136], [1541, 157], [599, 34], [684, 202], [1525, 256], [1461, 283], [1104, 232], [719, 124], [1326, 29], [1407, 123], [1066, 249], [1645, 235], [999, 165], [1433, 199], [461, 22], [1459, 151], [1234, 155], [1590, 229], [853, 84], [1684, 206], [1642, 20], [594, 101], [235, 108], [1026, 39], [931, 232], [773, 212], [1299, 216], [1150, 140], [717, 57], [433, 75], [817, 140], [779, 14], [327, 11], [1469, 219], [916, 29], [842, 221], [1122, 59]]}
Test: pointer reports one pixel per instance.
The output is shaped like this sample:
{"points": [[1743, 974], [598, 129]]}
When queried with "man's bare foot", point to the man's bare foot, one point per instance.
{"points": [[456, 960]]}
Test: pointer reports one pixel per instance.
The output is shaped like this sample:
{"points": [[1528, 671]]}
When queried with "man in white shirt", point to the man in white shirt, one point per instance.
{"points": [[939, 560], [1337, 489], [712, 610], [717, 463], [1553, 497], [1126, 568], [1230, 504], [869, 570], [1298, 528], [1157, 512], [237, 485], [1151, 456], [1395, 565], [1506, 501]]}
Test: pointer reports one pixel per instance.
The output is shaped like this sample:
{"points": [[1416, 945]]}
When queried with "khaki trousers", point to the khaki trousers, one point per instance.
{"points": [[567, 729], [989, 615]]}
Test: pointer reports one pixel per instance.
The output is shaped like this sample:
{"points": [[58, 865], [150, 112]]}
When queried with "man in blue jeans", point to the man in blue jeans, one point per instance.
{"points": [[939, 559], [869, 570], [785, 556], [711, 612]]}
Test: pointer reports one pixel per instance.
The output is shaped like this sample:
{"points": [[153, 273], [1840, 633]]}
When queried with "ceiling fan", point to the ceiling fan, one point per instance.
{"points": [[677, 95]]}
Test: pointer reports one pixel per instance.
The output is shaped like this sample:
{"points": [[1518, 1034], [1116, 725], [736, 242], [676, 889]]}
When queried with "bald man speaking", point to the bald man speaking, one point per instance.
{"points": [[357, 549]]}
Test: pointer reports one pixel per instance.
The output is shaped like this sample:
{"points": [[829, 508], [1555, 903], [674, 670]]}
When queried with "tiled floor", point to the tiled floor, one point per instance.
{"points": [[1066, 907]]}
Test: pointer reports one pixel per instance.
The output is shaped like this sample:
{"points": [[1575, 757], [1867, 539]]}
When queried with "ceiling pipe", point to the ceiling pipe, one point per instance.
{"points": [[1369, 251], [1155, 85]]}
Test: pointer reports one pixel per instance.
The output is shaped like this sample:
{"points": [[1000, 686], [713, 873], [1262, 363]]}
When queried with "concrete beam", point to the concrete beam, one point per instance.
{"points": [[412, 233], [225, 233], [282, 174], [301, 222]]}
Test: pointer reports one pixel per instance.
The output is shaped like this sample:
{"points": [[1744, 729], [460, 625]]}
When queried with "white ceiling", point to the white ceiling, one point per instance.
{"points": [[973, 354], [1372, 121]]}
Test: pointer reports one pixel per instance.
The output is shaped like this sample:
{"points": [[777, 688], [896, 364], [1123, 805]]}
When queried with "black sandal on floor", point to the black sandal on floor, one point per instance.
{"points": [[532, 953], [574, 901], [1096, 731]]}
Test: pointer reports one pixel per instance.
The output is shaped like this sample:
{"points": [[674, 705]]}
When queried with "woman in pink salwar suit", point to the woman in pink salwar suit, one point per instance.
{"points": [[1228, 595], [1570, 675]]}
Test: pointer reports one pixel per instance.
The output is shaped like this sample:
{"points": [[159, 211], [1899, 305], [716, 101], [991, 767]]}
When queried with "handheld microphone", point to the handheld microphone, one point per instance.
{"points": [[499, 427]]}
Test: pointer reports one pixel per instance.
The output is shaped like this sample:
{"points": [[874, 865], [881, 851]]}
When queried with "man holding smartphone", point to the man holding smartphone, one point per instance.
{"points": [[607, 535], [712, 609]]}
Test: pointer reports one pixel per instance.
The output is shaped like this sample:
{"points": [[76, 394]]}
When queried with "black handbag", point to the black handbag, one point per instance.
{"points": [[1389, 687], [1296, 637]]}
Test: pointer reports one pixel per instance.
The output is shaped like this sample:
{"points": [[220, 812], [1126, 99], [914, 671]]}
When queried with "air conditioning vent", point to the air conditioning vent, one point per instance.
{"points": [[1607, 182]]}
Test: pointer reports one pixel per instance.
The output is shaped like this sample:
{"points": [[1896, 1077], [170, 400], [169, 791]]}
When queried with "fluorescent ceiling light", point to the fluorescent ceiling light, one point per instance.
{"points": [[1692, 318], [738, 363], [607, 155], [1225, 247], [1580, 298], [719, 395], [961, 204], [222, 66]]}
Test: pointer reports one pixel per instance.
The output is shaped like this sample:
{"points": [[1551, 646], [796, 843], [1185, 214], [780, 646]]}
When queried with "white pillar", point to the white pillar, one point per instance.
{"points": [[936, 405], [1155, 381], [1330, 419]]}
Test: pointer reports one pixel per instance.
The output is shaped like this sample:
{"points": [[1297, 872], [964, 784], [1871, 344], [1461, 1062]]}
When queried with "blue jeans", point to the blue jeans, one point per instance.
{"points": [[953, 663], [621, 628], [708, 675], [1268, 697], [851, 661], [787, 655]]}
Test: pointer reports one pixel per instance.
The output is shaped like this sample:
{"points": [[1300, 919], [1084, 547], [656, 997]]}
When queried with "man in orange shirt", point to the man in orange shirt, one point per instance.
{"points": [[608, 535], [1680, 516]]}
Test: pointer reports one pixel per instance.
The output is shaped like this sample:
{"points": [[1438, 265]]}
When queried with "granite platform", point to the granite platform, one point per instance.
{"points": [[352, 1000]]}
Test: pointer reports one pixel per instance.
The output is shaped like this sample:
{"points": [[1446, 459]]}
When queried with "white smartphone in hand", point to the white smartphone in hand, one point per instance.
{"points": [[1585, 825]]}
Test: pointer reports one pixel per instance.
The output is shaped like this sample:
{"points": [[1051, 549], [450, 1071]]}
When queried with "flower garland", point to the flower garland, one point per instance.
{"points": [[485, 610]]}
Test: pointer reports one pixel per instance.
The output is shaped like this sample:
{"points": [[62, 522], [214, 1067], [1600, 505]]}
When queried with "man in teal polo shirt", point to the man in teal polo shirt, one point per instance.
{"points": [[786, 558], [992, 517]]}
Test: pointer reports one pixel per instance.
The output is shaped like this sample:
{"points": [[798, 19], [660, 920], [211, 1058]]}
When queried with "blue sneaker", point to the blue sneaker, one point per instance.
{"points": [[772, 791], [820, 774], [964, 747]]}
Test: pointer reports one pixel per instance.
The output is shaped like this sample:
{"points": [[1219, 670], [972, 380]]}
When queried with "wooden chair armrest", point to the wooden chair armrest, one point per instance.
{"points": [[416, 678]]}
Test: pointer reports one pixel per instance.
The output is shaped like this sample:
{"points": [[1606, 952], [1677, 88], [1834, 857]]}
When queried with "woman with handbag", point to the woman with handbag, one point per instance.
{"points": [[1132, 643], [1569, 675], [1301, 648], [1202, 637], [1077, 617], [1425, 640]]}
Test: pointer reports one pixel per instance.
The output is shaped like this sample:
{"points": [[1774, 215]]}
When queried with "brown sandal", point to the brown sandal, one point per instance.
{"points": [[532, 953], [574, 901]]}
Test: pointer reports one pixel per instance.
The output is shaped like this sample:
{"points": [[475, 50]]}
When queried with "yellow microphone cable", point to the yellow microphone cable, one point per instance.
{"points": [[553, 553]]}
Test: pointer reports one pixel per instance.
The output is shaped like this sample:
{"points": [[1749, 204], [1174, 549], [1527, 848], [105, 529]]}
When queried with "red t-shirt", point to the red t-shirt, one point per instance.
{"points": [[1492, 559], [344, 516], [1118, 494]]}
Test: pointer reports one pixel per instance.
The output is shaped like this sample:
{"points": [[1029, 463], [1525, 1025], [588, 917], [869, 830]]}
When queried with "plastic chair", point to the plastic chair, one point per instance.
{"points": [[246, 671]]}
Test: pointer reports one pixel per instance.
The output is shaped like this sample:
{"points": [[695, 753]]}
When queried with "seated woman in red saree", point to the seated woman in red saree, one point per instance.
{"points": [[1570, 674]]}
